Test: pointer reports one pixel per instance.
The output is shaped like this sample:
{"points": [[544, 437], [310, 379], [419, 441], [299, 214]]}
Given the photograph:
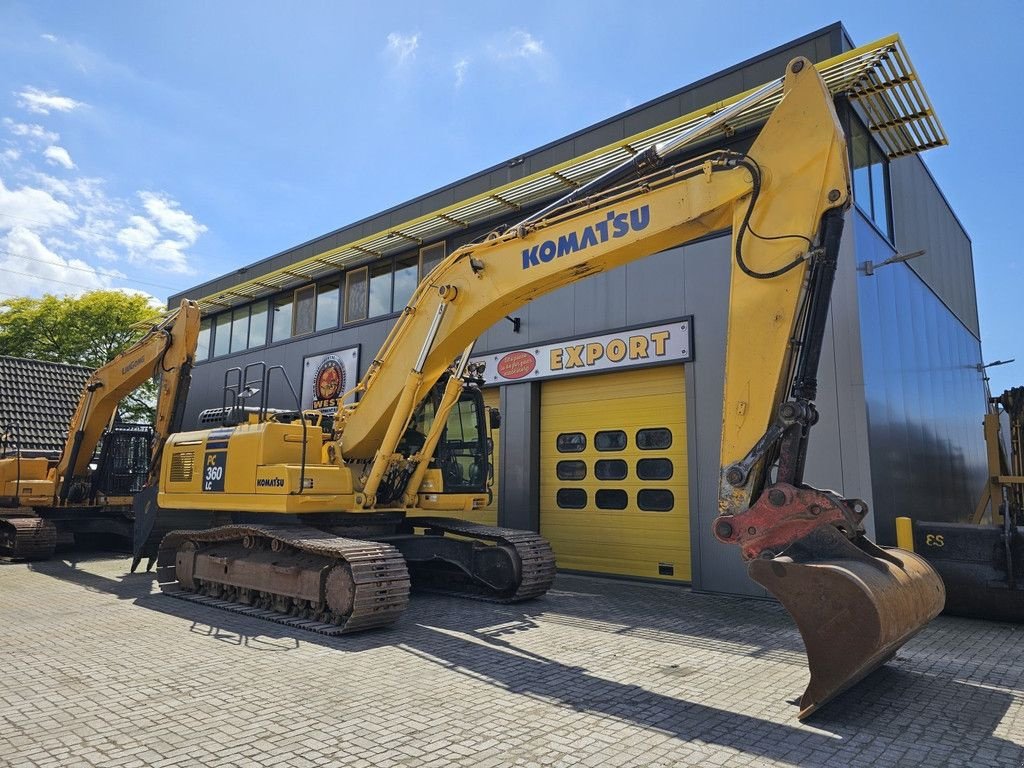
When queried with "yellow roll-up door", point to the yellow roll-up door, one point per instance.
{"points": [[613, 487]]}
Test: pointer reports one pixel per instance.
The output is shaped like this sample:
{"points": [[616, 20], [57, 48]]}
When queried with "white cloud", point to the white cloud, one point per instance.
{"points": [[43, 102], [141, 234], [402, 47], [58, 156], [32, 132], [461, 67], [11, 155], [518, 44], [28, 205], [29, 268], [168, 214], [49, 38], [163, 237]]}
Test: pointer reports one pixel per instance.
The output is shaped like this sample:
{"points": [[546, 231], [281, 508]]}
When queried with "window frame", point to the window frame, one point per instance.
{"points": [[350, 275], [424, 254]]}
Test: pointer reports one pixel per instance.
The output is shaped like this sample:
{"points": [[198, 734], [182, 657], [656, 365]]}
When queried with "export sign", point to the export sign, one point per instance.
{"points": [[325, 378], [663, 343]]}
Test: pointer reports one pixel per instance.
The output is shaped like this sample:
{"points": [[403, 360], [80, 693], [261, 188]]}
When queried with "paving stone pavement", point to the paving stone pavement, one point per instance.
{"points": [[97, 668]]}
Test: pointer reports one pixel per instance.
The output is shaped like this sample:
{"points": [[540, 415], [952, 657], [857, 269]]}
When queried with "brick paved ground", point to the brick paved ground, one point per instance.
{"points": [[97, 670]]}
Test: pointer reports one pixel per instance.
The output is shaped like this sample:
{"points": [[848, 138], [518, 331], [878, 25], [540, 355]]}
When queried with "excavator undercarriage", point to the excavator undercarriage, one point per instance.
{"points": [[315, 579]]}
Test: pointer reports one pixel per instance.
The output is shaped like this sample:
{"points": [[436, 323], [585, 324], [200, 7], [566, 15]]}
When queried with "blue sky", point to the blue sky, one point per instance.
{"points": [[156, 145]]}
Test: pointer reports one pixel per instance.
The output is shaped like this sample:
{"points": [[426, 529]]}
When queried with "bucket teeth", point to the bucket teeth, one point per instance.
{"points": [[855, 605]]}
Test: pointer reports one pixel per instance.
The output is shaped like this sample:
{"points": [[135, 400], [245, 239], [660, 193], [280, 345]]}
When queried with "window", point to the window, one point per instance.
{"points": [[654, 469], [870, 176], [304, 316], [355, 294], [239, 329], [430, 257], [380, 289], [258, 324], [405, 282], [655, 500], [612, 440], [610, 469], [571, 498], [571, 470], [328, 294], [653, 439], [222, 335], [611, 498], [571, 442], [282, 327], [203, 342]]}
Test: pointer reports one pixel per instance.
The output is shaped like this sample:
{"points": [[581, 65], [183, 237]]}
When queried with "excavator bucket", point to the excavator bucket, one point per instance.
{"points": [[854, 603]]}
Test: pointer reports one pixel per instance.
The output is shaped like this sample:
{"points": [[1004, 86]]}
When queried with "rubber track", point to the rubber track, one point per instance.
{"points": [[378, 571], [34, 538], [535, 554]]}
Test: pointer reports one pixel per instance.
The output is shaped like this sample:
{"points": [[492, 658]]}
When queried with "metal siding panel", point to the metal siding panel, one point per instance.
{"points": [[654, 287], [923, 219], [655, 114], [549, 157], [600, 303], [599, 137], [927, 449], [551, 317], [520, 487]]}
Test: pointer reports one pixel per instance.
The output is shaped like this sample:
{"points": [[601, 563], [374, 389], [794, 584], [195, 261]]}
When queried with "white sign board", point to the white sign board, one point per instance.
{"points": [[630, 348], [325, 378]]}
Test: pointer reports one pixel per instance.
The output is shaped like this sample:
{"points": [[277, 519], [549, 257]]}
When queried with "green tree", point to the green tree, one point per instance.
{"points": [[90, 330]]}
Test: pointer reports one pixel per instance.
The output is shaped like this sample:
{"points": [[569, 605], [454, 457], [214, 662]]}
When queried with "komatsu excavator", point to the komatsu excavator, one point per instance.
{"points": [[322, 524], [39, 498]]}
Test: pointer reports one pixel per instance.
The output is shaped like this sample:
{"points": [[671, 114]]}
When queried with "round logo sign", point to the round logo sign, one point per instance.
{"points": [[329, 380], [516, 365]]}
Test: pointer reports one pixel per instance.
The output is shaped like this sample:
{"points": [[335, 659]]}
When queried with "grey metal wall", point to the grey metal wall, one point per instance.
{"points": [[925, 397], [922, 218]]}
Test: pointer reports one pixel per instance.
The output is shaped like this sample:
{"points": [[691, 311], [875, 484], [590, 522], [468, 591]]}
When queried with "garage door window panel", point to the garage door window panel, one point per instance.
{"points": [[571, 498], [655, 500], [571, 442], [571, 470], [611, 498], [611, 469], [610, 440], [654, 469], [657, 439]]}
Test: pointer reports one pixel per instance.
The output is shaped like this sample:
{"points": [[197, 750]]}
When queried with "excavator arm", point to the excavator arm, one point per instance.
{"points": [[784, 200], [167, 351]]}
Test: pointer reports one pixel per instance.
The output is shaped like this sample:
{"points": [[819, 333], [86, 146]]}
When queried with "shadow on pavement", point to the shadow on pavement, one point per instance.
{"points": [[929, 718]]}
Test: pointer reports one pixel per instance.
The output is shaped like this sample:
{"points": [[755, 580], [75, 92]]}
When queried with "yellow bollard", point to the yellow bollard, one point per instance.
{"points": [[905, 533]]}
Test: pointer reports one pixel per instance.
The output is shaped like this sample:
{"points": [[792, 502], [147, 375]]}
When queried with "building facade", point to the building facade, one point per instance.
{"points": [[610, 389]]}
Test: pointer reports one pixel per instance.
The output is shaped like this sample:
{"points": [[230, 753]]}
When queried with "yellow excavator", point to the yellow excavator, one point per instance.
{"points": [[322, 523], [39, 498]]}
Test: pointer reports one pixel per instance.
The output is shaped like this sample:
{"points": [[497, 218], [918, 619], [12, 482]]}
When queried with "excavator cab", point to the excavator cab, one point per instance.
{"points": [[462, 452]]}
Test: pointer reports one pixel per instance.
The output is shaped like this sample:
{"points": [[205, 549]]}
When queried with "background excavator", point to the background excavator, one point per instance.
{"points": [[982, 562], [86, 490], [321, 523]]}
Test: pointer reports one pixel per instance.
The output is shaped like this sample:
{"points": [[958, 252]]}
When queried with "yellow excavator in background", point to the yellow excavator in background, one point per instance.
{"points": [[321, 523], [40, 498]]}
